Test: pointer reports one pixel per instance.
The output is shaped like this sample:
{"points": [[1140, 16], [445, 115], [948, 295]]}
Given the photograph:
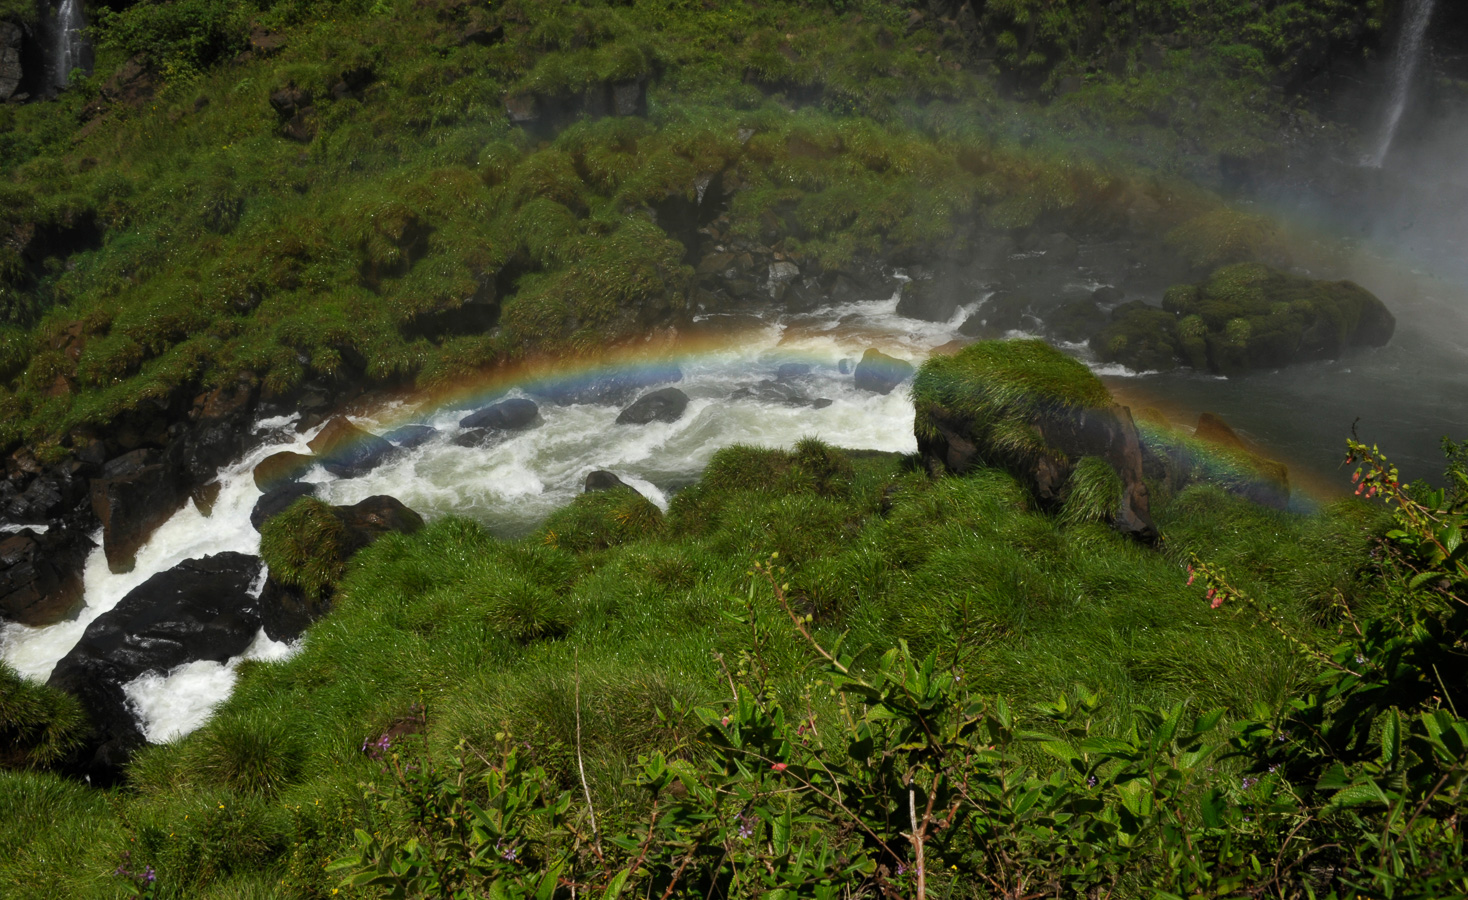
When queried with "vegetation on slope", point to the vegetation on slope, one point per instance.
{"points": [[339, 191], [497, 638]]}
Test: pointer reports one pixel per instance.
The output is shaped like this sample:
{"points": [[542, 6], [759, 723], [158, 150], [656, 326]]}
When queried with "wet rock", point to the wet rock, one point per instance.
{"points": [[663, 405], [879, 373], [802, 297], [613, 389], [783, 271], [277, 500], [219, 421], [787, 371], [481, 36], [933, 299], [409, 436], [855, 286], [1002, 312], [286, 611], [776, 392], [11, 73], [1077, 320], [137, 493], [41, 576], [347, 451], [515, 414], [602, 480], [629, 98], [202, 609], [281, 468]]}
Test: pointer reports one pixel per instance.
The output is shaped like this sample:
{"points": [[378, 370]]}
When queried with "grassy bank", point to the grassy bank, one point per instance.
{"points": [[645, 616]]}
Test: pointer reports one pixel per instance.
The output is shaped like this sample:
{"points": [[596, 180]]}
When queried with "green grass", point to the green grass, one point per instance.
{"points": [[498, 638]]}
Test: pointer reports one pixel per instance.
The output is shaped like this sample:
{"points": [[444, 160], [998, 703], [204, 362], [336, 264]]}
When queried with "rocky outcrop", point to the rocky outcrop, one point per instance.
{"points": [[137, 492], [286, 609], [781, 393], [663, 405], [41, 576], [1242, 318], [1026, 407], [11, 36], [202, 609], [612, 389], [407, 437], [879, 373], [933, 299]]}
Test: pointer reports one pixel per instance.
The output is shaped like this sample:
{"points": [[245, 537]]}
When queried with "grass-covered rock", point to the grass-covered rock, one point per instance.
{"points": [[40, 726], [1025, 406], [1245, 317]]}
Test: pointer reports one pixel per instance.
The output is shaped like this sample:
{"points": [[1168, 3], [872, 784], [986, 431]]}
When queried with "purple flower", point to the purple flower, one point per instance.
{"points": [[902, 868], [746, 828], [1091, 782], [149, 876], [1249, 781]]}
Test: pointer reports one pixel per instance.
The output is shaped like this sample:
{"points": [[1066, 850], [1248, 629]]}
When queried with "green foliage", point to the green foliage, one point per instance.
{"points": [[1092, 493], [305, 547], [182, 36], [602, 519], [252, 754], [39, 726], [1245, 316]]}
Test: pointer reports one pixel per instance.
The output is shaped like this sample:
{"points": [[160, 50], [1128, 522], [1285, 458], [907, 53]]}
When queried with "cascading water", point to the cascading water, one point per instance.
{"points": [[68, 45], [1404, 69]]}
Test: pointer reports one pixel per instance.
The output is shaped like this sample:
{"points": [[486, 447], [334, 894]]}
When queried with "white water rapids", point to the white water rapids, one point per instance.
{"points": [[513, 485]]}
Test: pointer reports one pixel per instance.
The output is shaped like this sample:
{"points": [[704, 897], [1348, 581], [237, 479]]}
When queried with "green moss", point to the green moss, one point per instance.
{"points": [[999, 384], [1092, 493], [305, 547], [602, 519], [1140, 337], [39, 725]]}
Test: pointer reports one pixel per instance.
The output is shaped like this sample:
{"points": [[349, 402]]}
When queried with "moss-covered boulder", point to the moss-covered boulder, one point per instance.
{"points": [[1244, 317], [1026, 407]]}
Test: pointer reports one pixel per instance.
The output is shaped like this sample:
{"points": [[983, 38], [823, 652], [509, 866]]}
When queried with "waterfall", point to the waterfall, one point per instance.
{"points": [[1404, 69], [68, 44]]}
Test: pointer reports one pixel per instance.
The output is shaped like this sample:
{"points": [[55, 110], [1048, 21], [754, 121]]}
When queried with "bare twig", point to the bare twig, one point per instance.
{"points": [[580, 764]]}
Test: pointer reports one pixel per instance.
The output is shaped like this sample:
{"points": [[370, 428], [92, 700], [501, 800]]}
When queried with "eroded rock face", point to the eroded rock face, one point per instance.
{"points": [[137, 492], [664, 405], [202, 609], [41, 576], [11, 37], [281, 468]]}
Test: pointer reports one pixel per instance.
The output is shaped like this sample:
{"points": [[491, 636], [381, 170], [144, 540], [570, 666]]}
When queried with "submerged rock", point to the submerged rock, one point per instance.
{"points": [[201, 609], [1026, 407], [778, 392], [602, 480], [934, 299], [663, 405], [879, 373], [613, 389], [407, 437]]}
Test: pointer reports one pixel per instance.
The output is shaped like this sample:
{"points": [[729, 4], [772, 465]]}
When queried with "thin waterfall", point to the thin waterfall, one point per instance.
{"points": [[1404, 69], [68, 45]]}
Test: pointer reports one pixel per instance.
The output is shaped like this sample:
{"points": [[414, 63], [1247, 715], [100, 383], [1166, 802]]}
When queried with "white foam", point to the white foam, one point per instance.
{"points": [[170, 705]]}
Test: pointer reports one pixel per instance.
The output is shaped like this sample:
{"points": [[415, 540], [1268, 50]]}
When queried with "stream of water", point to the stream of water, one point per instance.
{"points": [[1405, 57]]}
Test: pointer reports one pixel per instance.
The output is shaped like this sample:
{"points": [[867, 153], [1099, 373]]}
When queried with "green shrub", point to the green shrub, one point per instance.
{"points": [[602, 519], [39, 725], [305, 547], [259, 754]]}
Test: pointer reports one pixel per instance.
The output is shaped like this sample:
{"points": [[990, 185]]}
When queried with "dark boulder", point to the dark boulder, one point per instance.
{"points": [[407, 437], [277, 500], [1001, 312], [515, 414], [879, 373], [136, 493], [787, 371], [855, 286], [663, 405], [1213, 454], [219, 427], [41, 575], [202, 609], [281, 468], [347, 451], [602, 480]]}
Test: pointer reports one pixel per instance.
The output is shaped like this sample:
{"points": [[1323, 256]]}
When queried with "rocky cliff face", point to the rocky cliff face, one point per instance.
{"points": [[11, 37]]}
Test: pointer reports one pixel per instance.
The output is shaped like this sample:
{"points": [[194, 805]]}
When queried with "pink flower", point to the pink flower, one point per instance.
{"points": [[1217, 602], [779, 767]]}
